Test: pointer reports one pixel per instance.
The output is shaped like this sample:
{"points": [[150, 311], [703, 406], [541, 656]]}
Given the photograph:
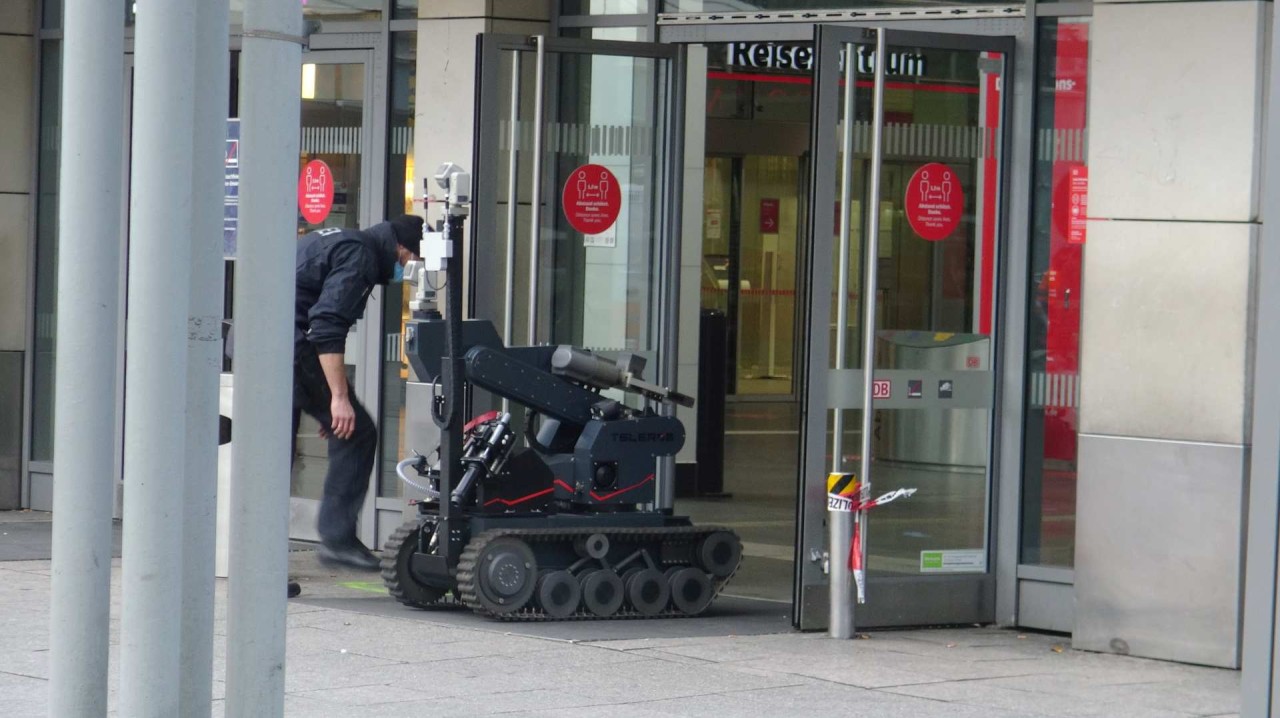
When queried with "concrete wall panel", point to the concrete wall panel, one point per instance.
{"points": [[1175, 99], [1165, 330], [15, 229], [1159, 548], [18, 17], [17, 112], [10, 430], [522, 9]]}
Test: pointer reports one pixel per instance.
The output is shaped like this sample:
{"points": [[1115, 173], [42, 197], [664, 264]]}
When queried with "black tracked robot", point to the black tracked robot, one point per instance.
{"points": [[565, 528]]}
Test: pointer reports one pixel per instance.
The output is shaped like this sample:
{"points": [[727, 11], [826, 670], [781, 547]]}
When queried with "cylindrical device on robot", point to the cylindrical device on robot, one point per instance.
{"points": [[581, 365]]}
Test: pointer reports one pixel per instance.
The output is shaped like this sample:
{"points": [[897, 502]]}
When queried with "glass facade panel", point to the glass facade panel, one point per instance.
{"points": [[404, 10], [736, 6], [395, 306], [604, 7], [1060, 181], [52, 14], [46, 252]]}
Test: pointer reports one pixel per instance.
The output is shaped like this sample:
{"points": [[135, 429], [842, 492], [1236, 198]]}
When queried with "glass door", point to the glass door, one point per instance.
{"points": [[335, 185], [907, 180], [579, 158]]}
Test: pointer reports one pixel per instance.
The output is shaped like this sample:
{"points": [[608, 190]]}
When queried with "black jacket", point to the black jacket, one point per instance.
{"points": [[337, 268]]}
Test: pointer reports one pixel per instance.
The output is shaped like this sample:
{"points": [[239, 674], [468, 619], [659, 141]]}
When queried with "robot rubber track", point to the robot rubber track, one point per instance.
{"points": [[673, 553]]}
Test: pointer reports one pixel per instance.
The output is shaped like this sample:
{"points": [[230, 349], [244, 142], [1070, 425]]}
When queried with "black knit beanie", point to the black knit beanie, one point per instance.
{"points": [[408, 231]]}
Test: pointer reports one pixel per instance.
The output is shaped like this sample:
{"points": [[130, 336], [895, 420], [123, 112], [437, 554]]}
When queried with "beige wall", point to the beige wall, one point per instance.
{"points": [[17, 157]]}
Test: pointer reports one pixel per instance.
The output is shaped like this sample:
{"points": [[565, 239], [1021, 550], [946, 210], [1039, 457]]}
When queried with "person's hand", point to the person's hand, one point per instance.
{"points": [[323, 432], [344, 417]]}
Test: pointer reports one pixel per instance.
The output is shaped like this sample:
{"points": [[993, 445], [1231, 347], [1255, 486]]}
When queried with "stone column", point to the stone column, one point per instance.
{"points": [[1176, 98]]}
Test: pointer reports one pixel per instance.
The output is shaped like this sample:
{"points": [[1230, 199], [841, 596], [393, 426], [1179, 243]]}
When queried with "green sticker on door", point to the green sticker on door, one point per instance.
{"points": [[954, 561]]}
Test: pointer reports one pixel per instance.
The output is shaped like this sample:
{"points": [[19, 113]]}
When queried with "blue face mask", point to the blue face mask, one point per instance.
{"points": [[398, 275]]}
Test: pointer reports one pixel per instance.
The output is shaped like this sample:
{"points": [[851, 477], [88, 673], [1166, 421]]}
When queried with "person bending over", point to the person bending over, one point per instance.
{"points": [[336, 270]]}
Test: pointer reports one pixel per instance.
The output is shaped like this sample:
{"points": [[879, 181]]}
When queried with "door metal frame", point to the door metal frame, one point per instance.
{"points": [[970, 595], [669, 106]]}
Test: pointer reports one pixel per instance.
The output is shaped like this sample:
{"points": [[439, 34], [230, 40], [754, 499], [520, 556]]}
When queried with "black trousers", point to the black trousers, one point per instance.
{"points": [[350, 460]]}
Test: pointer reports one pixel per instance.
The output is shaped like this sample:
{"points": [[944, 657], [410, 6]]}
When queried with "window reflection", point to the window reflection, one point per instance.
{"points": [[1053, 332]]}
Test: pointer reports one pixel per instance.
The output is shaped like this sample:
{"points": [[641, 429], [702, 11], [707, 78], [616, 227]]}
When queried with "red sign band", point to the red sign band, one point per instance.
{"points": [[315, 191], [934, 201]]}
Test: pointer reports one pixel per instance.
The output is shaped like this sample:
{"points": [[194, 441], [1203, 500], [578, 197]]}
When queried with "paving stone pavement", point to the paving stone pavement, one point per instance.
{"points": [[344, 663]]}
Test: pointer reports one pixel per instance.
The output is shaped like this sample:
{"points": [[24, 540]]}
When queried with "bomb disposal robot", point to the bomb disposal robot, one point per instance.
{"points": [[550, 515]]}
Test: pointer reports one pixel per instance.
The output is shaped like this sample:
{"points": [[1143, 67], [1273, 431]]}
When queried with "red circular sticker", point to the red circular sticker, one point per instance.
{"points": [[934, 201], [315, 191], [591, 199]]}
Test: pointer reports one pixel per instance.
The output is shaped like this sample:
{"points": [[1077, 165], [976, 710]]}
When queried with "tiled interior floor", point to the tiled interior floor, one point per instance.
{"points": [[761, 444]]}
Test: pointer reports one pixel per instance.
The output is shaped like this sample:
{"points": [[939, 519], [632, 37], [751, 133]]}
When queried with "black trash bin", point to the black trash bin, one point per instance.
{"points": [[707, 478]]}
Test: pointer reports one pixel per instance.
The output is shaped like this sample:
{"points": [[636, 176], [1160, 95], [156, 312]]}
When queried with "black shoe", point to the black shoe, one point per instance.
{"points": [[294, 589], [351, 555]]}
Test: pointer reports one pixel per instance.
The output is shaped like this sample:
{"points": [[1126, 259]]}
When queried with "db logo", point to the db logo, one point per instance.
{"points": [[881, 388]]}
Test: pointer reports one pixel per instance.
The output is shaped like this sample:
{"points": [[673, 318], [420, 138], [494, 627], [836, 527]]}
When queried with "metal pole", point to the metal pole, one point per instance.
{"points": [[871, 244], [513, 200], [89, 212], [840, 523], [156, 338], [535, 221], [270, 106], [204, 357]]}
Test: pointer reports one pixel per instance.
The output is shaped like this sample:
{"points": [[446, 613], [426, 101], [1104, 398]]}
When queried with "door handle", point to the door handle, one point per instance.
{"points": [[1066, 300], [821, 558]]}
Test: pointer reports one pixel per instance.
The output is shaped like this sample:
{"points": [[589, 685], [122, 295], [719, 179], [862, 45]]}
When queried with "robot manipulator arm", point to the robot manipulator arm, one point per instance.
{"points": [[584, 367]]}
